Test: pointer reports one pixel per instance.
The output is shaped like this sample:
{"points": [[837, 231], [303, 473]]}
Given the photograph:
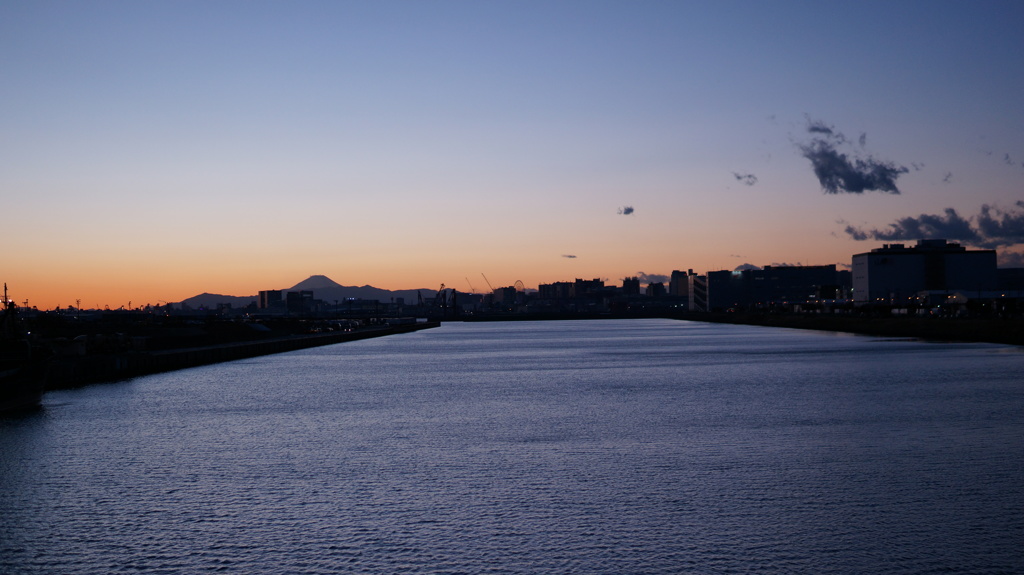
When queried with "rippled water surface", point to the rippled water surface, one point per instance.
{"points": [[639, 446]]}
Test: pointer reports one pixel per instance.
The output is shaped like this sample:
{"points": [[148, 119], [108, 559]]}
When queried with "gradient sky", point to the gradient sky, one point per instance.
{"points": [[151, 151]]}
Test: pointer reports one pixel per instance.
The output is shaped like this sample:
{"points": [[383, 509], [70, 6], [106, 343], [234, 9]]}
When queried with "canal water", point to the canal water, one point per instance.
{"points": [[631, 446]]}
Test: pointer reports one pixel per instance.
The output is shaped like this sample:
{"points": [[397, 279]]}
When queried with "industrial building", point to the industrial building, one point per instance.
{"points": [[895, 274]]}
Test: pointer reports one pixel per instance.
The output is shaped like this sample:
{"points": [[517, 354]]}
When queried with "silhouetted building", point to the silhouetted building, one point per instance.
{"points": [[697, 291], [299, 301], [584, 288], [655, 289], [270, 299], [894, 273], [505, 296], [557, 290], [690, 288], [773, 287], [1010, 279], [679, 284], [631, 286], [727, 290]]}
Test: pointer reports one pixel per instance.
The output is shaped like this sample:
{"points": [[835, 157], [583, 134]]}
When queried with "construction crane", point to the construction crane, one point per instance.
{"points": [[444, 300], [488, 282], [471, 288], [441, 299]]}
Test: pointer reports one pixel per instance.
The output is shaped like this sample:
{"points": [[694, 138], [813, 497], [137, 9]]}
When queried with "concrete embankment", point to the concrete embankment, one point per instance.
{"points": [[69, 372]]}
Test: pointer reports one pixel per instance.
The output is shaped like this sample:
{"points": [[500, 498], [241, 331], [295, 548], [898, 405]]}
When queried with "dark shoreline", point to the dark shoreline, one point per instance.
{"points": [[78, 371], [1000, 331], [981, 330]]}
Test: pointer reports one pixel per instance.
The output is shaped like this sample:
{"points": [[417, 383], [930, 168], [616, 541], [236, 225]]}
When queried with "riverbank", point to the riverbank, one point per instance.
{"points": [[66, 372], [1004, 331], [987, 330]]}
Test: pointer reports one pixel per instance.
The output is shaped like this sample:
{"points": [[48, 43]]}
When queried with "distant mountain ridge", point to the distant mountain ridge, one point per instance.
{"points": [[316, 282], [323, 288], [328, 290]]}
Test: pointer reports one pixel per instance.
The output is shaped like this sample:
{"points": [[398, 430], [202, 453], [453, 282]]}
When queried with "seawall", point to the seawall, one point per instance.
{"points": [[70, 372]]}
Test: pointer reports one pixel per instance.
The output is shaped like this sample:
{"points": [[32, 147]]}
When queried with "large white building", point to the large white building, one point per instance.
{"points": [[894, 273]]}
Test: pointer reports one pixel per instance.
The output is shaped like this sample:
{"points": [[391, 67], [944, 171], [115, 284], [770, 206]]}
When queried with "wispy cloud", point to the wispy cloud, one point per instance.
{"points": [[819, 127], [839, 173], [570, 256], [990, 228], [625, 210], [748, 179]]}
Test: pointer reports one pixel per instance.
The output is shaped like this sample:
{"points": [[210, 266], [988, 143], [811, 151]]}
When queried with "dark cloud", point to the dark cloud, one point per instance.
{"points": [[856, 233], [949, 226], [748, 179], [570, 256], [1008, 160], [743, 267], [999, 227], [948, 177], [839, 173], [863, 139], [652, 278], [626, 210], [991, 228]]}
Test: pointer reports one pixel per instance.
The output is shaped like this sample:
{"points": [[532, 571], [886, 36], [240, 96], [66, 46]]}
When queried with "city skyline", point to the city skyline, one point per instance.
{"points": [[369, 292], [149, 152]]}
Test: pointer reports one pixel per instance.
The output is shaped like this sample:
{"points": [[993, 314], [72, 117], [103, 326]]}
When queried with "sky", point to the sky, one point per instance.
{"points": [[152, 151]]}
